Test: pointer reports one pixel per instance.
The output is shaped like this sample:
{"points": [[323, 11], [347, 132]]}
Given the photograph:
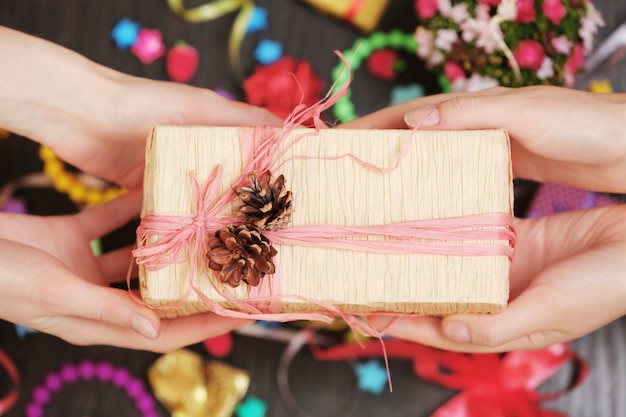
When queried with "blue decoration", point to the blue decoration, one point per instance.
{"points": [[372, 376], [23, 331], [251, 407], [258, 20], [125, 33], [403, 93], [268, 51]]}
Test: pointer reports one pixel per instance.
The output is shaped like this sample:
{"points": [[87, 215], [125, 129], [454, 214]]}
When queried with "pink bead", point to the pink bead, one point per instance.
{"points": [[135, 388], [34, 410], [144, 403], [149, 45], [54, 382], [41, 395], [104, 371], [87, 369], [120, 377], [69, 373]]}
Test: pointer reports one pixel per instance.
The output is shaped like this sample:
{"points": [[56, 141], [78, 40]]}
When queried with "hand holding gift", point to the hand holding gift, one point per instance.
{"points": [[567, 275]]}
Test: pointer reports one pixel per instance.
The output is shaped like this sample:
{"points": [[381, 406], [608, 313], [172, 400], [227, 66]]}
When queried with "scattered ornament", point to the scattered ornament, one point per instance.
{"points": [[268, 51], [23, 331], [257, 21], [225, 93], [219, 346], [125, 33], [14, 205], [4, 133], [181, 62], [281, 86], [251, 407], [149, 45], [403, 93], [384, 64], [372, 376]]}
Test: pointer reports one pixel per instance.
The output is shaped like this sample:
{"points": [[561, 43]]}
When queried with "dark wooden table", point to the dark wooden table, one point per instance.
{"points": [[320, 388]]}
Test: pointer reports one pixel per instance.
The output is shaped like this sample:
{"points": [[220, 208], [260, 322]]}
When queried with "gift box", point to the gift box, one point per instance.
{"points": [[260, 221], [363, 14]]}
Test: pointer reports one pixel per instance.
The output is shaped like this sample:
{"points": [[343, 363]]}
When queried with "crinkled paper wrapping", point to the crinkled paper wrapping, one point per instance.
{"points": [[441, 174]]}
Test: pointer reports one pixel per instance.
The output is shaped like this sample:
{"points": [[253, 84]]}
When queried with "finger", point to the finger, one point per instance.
{"points": [[98, 221], [175, 333], [115, 265]]}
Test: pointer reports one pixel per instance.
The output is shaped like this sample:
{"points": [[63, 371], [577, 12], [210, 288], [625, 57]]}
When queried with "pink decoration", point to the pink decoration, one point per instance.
{"points": [[554, 10], [526, 12], [576, 60], [529, 54], [555, 198], [490, 2], [453, 71], [426, 8], [149, 46]]}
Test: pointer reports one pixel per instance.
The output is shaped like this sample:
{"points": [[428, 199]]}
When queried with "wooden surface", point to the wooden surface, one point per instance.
{"points": [[320, 388]]}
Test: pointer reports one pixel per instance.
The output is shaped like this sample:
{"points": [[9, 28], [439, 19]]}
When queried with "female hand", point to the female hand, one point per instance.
{"points": [[95, 118], [52, 282], [557, 135], [567, 276]]}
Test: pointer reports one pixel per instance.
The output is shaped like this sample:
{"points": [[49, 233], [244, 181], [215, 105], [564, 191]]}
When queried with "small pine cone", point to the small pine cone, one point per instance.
{"points": [[267, 204], [241, 253]]}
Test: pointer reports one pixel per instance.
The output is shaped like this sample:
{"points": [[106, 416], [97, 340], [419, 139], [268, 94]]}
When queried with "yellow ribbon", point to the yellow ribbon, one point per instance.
{"points": [[215, 10]]}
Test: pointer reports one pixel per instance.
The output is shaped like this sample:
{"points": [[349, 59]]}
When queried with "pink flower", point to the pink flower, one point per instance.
{"points": [[149, 45], [576, 60], [490, 2], [554, 10], [453, 71], [529, 55], [526, 11], [426, 8], [561, 44]]}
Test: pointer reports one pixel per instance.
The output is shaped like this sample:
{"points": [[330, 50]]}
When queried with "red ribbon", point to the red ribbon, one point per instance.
{"points": [[490, 385], [9, 400]]}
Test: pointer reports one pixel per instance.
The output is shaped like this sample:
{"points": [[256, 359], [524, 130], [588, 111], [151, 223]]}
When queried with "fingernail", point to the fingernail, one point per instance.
{"points": [[144, 327], [457, 331], [425, 116]]}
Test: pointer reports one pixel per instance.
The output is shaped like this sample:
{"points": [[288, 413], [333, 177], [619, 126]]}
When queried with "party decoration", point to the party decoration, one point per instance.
{"points": [[219, 346], [283, 85], [384, 64], [181, 62], [344, 109], [506, 42], [268, 51], [14, 205], [10, 398], [4, 133], [149, 45], [190, 387], [125, 33], [403, 93], [555, 198], [251, 407], [491, 384], [86, 370], [23, 331], [372, 376], [363, 14], [459, 237], [76, 187], [257, 21]]}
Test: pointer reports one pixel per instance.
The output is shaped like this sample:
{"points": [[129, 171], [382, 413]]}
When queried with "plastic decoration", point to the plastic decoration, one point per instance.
{"points": [[372, 376], [125, 33], [268, 51], [251, 407], [181, 62], [219, 346], [104, 372], [384, 64], [149, 46], [258, 20], [283, 85], [510, 43], [403, 93], [362, 48]]}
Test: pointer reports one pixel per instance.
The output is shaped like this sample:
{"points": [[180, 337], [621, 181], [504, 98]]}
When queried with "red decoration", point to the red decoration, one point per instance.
{"points": [[382, 64], [490, 385], [219, 346], [283, 85], [181, 62]]}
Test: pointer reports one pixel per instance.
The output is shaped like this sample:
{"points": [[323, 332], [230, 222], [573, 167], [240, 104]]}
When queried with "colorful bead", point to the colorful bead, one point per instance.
{"points": [[149, 46], [268, 51], [67, 183], [125, 33], [102, 371], [257, 20]]}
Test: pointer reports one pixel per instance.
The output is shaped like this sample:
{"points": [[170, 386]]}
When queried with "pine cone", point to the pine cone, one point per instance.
{"points": [[241, 253], [266, 202]]}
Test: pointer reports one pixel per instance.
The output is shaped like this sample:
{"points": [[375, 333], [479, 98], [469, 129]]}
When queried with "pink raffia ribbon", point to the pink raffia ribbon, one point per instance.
{"points": [[181, 238]]}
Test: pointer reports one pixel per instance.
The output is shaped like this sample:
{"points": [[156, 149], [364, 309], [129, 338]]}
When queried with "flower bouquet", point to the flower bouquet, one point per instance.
{"points": [[478, 44]]}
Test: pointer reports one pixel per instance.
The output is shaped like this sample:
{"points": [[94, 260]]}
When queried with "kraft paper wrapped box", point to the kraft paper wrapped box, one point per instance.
{"points": [[443, 201]]}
